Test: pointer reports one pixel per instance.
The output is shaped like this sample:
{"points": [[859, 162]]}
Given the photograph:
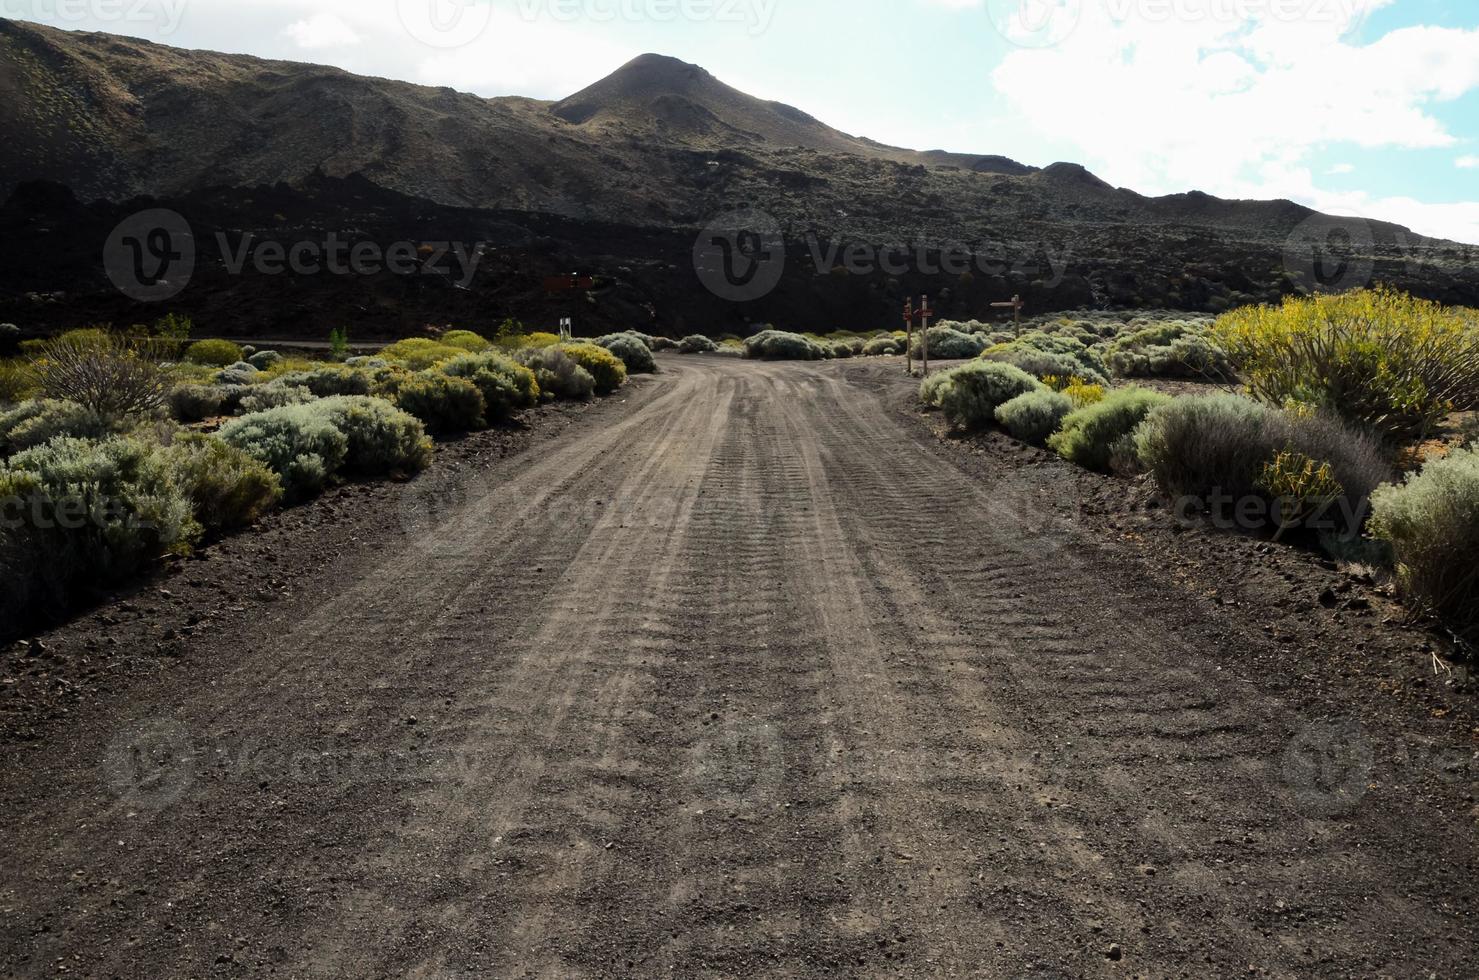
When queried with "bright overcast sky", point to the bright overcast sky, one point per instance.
{"points": [[1366, 107]]}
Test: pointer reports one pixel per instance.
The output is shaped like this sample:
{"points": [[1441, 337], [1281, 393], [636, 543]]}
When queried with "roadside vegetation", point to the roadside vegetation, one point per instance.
{"points": [[122, 448], [1343, 420]]}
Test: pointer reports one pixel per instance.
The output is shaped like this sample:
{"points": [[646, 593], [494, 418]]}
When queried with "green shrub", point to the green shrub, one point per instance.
{"points": [[1378, 358], [970, 394], [86, 337], [329, 381], [263, 359], [883, 347], [443, 404], [1432, 523], [196, 403], [227, 488], [778, 345], [80, 514], [1035, 416], [262, 398], [1174, 349], [213, 353], [1218, 449], [660, 344], [948, 344], [607, 370], [381, 438], [466, 340], [1102, 433], [558, 374], [17, 381], [1041, 354], [419, 353], [35, 423], [506, 385], [301, 445], [696, 344], [633, 352]]}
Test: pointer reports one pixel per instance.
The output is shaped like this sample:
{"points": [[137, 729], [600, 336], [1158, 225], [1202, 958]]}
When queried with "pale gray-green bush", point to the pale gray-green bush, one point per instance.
{"points": [[196, 403], [558, 374], [780, 345], [264, 359], [970, 394], [329, 381], [381, 438], [1035, 416], [35, 423], [261, 398], [946, 344], [883, 347], [696, 344], [506, 385], [443, 404], [240, 373], [1432, 523], [1102, 433], [298, 443], [633, 351]]}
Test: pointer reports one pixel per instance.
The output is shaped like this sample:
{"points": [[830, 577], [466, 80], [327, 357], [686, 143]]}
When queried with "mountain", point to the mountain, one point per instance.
{"points": [[659, 148]]}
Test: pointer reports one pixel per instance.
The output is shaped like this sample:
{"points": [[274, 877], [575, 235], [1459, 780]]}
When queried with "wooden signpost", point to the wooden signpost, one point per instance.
{"points": [[909, 335], [1015, 306], [924, 325], [567, 330]]}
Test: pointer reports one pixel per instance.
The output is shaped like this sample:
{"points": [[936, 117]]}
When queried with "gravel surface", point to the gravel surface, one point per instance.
{"points": [[748, 671]]}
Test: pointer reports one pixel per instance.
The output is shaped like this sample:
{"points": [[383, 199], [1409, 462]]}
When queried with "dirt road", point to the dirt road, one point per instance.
{"points": [[744, 677]]}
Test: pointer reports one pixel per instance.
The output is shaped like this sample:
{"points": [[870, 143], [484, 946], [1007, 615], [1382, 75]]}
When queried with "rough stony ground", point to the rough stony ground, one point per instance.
{"points": [[747, 674]]}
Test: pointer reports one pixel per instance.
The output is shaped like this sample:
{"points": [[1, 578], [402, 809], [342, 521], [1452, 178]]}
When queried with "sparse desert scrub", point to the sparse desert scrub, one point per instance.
{"points": [[970, 394], [1381, 359], [696, 344], [419, 353], [443, 404], [1432, 523], [779, 345], [1232, 448], [886, 346], [382, 439], [557, 373], [1103, 433], [83, 514], [214, 353], [466, 340], [240, 373], [107, 374], [35, 423], [632, 350], [227, 488], [947, 344], [1041, 354], [1170, 349], [297, 443], [605, 367], [1035, 416], [506, 385], [262, 398], [326, 382]]}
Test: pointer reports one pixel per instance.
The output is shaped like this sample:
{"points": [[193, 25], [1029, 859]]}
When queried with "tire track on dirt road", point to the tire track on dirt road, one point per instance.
{"points": [[751, 680]]}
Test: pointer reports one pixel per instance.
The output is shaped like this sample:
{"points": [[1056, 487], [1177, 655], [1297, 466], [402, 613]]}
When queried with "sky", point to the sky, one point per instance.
{"points": [[1354, 107]]}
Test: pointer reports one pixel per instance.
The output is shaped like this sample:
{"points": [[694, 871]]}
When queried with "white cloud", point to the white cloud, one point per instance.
{"points": [[1237, 106], [322, 31], [1467, 163], [1340, 169]]}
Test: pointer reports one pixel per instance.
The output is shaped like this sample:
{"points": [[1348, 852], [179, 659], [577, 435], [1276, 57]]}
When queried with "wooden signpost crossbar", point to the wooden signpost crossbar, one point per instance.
{"points": [[1015, 306]]}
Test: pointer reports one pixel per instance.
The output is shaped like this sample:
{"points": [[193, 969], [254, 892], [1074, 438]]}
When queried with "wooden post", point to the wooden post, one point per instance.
{"points": [[1016, 307], [924, 325], [909, 336]]}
